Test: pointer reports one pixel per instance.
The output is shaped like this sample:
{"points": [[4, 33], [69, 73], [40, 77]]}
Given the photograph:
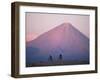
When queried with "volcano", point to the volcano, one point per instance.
{"points": [[62, 45]]}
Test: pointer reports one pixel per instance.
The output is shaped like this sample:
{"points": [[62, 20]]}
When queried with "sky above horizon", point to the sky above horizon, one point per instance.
{"points": [[39, 23]]}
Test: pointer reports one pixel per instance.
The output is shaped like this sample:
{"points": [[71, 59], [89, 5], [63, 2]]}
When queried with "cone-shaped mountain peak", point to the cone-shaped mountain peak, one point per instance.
{"points": [[63, 40], [64, 33]]}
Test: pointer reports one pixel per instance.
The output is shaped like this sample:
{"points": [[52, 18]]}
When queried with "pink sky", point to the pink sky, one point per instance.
{"points": [[37, 24], [30, 37]]}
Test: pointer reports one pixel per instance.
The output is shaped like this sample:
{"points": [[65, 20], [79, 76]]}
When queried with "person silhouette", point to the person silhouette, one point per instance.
{"points": [[60, 57], [50, 58]]}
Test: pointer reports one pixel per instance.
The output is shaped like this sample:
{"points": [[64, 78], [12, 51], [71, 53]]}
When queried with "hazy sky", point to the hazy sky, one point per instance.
{"points": [[38, 23]]}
